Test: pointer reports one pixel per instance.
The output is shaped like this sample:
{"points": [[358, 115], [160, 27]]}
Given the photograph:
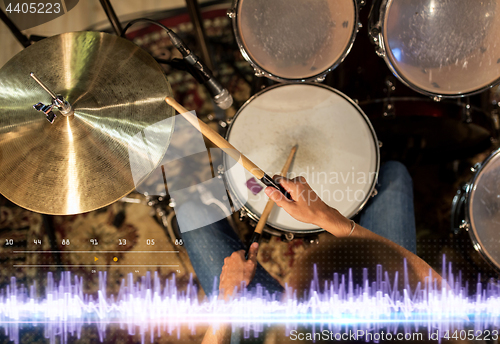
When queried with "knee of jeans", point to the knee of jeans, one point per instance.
{"points": [[192, 215], [396, 175], [187, 208], [186, 216]]}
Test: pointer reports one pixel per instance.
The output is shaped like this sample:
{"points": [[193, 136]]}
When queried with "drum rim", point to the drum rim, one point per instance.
{"points": [[426, 100], [457, 205], [369, 194], [260, 71], [392, 66], [471, 229]]}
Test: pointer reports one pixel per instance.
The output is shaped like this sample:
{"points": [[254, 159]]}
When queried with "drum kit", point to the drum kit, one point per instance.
{"points": [[81, 162]]}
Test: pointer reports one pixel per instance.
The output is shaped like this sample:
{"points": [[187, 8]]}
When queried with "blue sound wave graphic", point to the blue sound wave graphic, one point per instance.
{"points": [[150, 309]]}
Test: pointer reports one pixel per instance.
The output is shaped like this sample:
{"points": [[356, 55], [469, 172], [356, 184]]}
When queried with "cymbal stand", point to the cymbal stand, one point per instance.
{"points": [[113, 19], [25, 41]]}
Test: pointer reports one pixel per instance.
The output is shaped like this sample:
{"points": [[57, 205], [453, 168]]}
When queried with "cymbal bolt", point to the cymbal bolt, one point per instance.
{"points": [[47, 110]]}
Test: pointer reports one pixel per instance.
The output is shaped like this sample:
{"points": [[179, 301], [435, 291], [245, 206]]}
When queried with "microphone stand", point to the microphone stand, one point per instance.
{"points": [[199, 30]]}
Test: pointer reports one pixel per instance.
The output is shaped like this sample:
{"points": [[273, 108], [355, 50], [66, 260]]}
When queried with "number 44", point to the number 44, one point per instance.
{"points": [[37, 241], [10, 10]]}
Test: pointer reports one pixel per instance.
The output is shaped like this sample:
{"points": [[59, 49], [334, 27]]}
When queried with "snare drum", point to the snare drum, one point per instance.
{"points": [[337, 153], [476, 207], [294, 40], [440, 48]]}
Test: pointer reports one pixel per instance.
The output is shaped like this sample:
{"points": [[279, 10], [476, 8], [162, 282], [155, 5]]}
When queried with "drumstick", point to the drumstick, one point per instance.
{"points": [[270, 203], [228, 148]]}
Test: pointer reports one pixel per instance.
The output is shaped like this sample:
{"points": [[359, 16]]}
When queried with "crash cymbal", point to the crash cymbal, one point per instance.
{"points": [[117, 132]]}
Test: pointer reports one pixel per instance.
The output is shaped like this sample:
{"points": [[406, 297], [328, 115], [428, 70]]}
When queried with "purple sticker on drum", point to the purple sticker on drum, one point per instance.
{"points": [[253, 186]]}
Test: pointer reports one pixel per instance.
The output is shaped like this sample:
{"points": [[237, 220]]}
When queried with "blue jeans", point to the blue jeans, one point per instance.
{"points": [[389, 214]]}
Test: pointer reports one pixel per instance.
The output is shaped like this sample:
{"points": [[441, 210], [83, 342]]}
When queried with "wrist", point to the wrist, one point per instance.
{"points": [[331, 220], [326, 216], [226, 294]]}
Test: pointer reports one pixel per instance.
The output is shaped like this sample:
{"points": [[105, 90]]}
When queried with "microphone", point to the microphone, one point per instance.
{"points": [[219, 94]]}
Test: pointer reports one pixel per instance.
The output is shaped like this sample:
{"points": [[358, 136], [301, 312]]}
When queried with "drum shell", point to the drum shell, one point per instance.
{"points": [[377, 33], [263, 72], [303, 232], [461, 217]]}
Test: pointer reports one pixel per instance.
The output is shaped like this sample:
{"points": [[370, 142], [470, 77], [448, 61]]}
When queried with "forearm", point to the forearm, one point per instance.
{"points": [[236, 271], [221, 336], [338, 225]]}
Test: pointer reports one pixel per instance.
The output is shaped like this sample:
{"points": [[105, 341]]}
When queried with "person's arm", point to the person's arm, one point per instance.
{"points": [[308, 207], [221, 336], [236, 269]]}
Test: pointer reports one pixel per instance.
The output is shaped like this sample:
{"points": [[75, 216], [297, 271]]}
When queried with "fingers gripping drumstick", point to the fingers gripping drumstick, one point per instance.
{"points": [[270, 203], [220, 142]]}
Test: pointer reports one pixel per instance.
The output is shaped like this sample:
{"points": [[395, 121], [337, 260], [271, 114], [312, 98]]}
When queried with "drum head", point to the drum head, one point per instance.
{"points": [[295, 39], [484, 210], [444, 48], [337, 148]]}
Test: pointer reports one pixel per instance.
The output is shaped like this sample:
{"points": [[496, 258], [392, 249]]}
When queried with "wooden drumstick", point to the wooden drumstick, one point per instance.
{"points": [[270, 203], [228, 148]]}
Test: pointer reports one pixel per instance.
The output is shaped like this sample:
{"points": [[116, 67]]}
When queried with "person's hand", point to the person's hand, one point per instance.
{"points": [[307, 206], [237, 269]]}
